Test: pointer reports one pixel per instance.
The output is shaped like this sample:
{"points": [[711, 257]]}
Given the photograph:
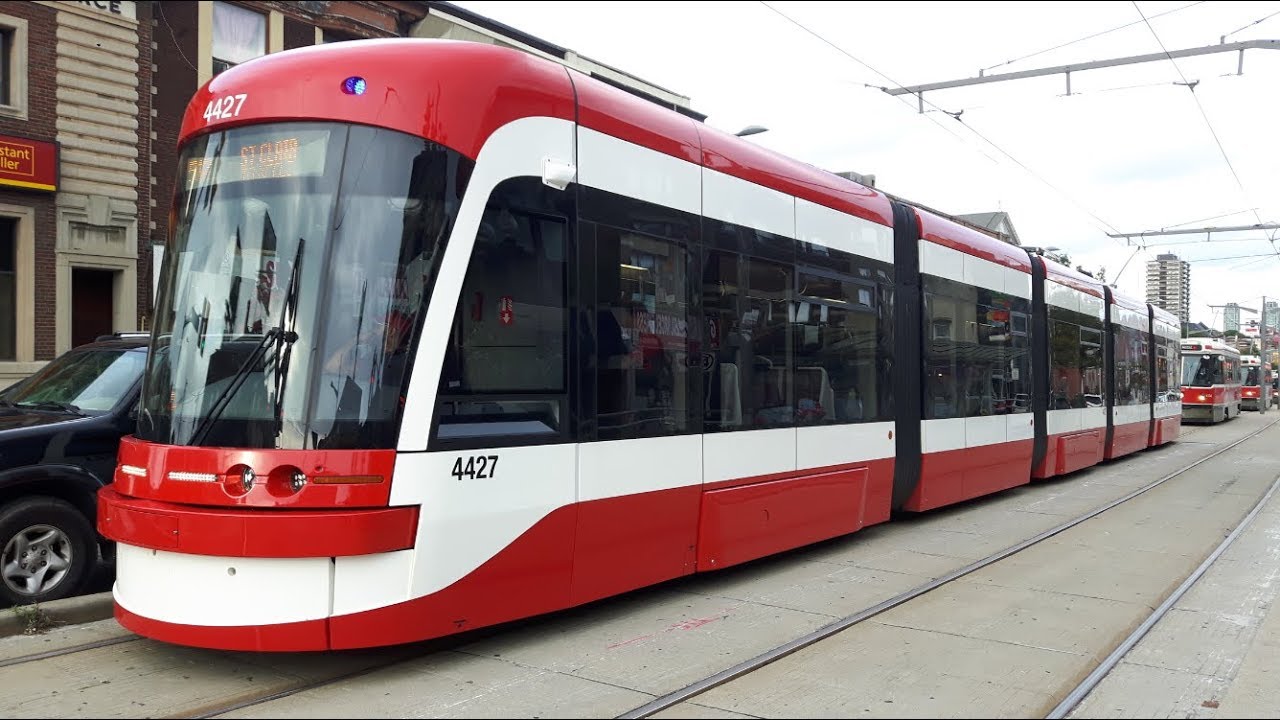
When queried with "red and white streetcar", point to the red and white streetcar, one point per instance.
{"points": [[1211, 380], [450, 335], [1251, 396]]}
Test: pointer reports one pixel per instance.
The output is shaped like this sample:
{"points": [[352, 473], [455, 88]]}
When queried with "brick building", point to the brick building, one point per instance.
{"points": [[74, 191]]}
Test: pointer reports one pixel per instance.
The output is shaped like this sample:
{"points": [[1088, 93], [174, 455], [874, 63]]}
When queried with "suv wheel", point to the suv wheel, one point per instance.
{"points": [[47, 550]]}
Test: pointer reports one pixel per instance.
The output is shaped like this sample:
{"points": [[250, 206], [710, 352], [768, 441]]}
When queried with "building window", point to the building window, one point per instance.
{"points": [[6, 65], [8, 289], [13, 67], [239, 35]]}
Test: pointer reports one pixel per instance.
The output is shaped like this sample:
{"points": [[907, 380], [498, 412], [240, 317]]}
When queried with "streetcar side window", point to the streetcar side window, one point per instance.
{"points": [[646, 321], [842, 327], [504, 373], [1068, 344], [981, 366], [1162, 370], [1132, 358], [747, 302], [1075, 360], [1091, 356]]}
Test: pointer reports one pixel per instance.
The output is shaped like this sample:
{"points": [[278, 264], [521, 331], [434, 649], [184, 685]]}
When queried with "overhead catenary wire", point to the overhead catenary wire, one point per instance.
{"points": [[1140, 248], [1149, 244], [1231, 257], [842, 51], [1214, 217], [1203, 114], [955, 115], [160, 11], [1246, 27], [1092, 36], [1249, 263], [1075, 93]]}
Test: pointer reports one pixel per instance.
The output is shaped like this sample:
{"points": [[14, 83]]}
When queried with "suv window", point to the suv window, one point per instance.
{"points": [[90, 381]]}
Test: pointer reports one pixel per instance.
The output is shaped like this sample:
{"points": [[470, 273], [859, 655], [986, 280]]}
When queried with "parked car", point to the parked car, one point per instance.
{"points": [[60, 430]]}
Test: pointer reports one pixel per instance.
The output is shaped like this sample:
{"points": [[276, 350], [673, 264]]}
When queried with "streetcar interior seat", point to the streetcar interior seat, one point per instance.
{"points": [[813, 384]]}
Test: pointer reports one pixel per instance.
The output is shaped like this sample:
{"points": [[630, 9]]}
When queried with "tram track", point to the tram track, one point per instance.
{"points": [[69, 650], [252, 699], [769, 657], [1081, 691]]}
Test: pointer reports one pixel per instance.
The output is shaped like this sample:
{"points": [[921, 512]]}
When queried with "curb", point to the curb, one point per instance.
{"points": [[67, 611]]}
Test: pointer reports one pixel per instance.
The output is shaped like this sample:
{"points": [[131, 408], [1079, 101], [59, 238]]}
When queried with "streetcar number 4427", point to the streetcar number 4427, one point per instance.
{"points": [[476, 467], [224, 108]]}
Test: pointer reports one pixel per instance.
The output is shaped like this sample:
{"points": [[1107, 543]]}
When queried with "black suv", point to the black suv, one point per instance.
{"points": [[60, 430]]}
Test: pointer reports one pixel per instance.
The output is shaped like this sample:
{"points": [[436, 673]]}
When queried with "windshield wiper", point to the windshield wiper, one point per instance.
{"points": [[290, 314], [224, 398], [51, 405], [272, 338]]}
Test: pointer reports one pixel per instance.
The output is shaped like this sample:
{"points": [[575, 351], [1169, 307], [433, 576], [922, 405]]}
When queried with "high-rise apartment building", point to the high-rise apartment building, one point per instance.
{"points": [[1169, 285], [1231, 317]]}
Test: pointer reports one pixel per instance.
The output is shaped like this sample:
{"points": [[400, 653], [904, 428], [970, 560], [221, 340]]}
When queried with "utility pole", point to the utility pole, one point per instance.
{"points": [[1265, 367]]}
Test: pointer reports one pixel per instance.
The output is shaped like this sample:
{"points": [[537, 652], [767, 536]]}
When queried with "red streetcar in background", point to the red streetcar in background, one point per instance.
{"points": [[1251, 395], [1211, 380], [450, 335]]}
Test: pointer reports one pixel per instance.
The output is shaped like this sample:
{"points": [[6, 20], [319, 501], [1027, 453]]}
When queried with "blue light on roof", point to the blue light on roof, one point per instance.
{"points": [[353, 85]]}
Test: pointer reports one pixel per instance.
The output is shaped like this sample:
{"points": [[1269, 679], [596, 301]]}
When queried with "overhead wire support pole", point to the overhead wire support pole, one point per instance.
{"points": [[1093, 65], [1197, 231]]}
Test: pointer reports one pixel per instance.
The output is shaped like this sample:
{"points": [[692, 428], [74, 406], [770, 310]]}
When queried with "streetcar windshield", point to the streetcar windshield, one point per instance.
{"points": [[294, 284], [1199, 370], [1251, 376]]}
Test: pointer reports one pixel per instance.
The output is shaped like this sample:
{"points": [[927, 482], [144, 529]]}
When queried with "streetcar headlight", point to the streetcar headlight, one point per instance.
{"points": [[1202, 398], [297, 480], [133, 471], [247, 478]]}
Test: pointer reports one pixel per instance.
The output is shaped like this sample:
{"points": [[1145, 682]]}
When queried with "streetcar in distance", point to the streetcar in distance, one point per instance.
{"points": [[1251, 396], [1211, 380], [450, 335]]}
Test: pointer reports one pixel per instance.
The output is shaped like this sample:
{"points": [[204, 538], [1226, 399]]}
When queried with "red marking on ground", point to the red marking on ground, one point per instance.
{"points": [[628, 642], [683, 625]]}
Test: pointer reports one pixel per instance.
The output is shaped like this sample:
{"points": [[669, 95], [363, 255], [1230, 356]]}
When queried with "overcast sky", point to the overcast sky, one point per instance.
{"points": [[1128, 151]]}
